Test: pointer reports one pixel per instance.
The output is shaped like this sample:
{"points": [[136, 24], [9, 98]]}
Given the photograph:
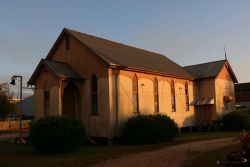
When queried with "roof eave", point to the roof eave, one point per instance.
{"points": [[56, 42], [209, 77], [150, 72], [35, 73], [232, 73]]}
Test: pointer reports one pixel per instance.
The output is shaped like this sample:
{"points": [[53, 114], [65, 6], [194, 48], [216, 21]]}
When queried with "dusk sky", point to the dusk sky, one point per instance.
{"points": [[188, 32]]}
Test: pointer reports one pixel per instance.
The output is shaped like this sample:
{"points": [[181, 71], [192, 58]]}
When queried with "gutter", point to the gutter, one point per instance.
{"points": [[115, 66]]}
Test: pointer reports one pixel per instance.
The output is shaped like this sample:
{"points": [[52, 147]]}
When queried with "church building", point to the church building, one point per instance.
{"points": [[103, 83]]}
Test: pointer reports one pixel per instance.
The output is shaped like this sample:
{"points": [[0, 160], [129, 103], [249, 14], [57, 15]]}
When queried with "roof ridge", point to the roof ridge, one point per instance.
{"points": [[126, 45], [119, 43], [205, 63]]}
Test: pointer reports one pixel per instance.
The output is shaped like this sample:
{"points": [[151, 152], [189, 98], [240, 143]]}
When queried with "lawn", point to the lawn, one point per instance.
{"points": [[209, 159], [12, 155]]}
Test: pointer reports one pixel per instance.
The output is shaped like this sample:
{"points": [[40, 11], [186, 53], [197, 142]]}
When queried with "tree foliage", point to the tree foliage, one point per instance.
{"points": [[236, 121], [5, 95]]}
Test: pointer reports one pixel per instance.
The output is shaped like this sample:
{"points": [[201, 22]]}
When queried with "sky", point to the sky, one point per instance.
{"points": [[188, 32]]}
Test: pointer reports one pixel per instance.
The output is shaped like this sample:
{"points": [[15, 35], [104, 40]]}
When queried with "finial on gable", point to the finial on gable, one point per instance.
{"points": [[225, 53]]}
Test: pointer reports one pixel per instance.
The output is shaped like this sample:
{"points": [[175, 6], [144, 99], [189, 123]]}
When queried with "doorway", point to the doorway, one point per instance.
{"points": [[71, 101]]}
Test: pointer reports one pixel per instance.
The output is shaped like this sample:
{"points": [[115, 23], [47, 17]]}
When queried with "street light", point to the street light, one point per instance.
{"points": [[13, 79]]}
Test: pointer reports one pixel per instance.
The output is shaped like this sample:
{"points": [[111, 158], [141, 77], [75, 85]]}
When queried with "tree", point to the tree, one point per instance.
{"points": [[5, 95]]}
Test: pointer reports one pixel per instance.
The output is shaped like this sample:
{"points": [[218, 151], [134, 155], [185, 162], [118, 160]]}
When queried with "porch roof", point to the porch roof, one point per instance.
{"points": [[60, 69], [210, 69], [205, 101]]}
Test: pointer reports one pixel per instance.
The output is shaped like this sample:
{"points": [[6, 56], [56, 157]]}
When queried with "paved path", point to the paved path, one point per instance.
{"points": [[172, 156]]}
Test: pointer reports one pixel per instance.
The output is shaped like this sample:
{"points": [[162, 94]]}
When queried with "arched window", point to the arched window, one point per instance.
{"points": [[135, 95], [173, 96], [94, 97], [156, 96], [46, 103], [187, 96]]}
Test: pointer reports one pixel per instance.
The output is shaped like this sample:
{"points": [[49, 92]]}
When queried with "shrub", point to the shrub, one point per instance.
{"points": [[246, 111], [236, 120], [56, 134], [146, 129], [216, 125]]}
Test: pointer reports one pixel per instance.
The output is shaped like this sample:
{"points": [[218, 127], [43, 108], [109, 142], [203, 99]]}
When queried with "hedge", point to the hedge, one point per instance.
{"points": [[147, 129], [56, 134]]}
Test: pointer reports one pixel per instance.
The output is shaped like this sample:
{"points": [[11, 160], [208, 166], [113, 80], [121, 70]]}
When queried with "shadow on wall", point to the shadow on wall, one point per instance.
{"points": [[189, 121], [192, 103]]}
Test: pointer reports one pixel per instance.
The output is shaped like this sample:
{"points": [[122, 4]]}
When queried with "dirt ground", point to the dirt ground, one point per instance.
{"points": [[172, 156]]}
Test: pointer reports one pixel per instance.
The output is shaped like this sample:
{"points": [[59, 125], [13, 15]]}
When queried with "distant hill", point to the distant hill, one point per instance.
{"points": [[27, 105]]}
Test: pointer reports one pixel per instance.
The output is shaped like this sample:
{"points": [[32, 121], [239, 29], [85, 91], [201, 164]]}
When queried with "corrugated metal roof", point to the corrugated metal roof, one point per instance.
{"points": [[205, 101], [206, 70], [130, 57], [62, 69]]}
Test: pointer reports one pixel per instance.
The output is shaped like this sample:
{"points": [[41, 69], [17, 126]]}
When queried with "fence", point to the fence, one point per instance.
{"points": [[13, 125]]}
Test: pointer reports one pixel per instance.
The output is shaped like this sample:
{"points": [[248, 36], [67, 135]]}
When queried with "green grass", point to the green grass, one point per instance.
{"points": [[210, 158], [197, 136], [12, 155]]}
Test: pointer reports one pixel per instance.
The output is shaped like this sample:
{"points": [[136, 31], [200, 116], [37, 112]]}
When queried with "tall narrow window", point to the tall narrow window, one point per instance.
{"points": [[135, 95], [94, 93], [156, 96], [67, 42], [187, 96], [46, 103], [173, 96]]}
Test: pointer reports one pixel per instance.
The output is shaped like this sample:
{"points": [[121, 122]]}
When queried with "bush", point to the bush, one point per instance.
{"points": [[147, 129], [246, 111], [216, 125], [236, 120], [56, 134]]}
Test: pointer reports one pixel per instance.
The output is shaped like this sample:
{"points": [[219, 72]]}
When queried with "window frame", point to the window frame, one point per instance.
{"points": [[173, 98], [156, 96], [94, 95], [135, 94], [187, 97], [46, 102]]}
